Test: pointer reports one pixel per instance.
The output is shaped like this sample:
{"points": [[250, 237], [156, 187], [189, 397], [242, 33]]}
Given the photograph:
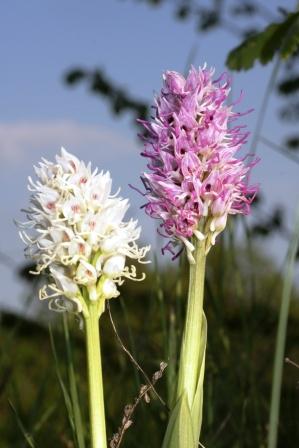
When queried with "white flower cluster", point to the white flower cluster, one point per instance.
{"points": [[78, 233]]}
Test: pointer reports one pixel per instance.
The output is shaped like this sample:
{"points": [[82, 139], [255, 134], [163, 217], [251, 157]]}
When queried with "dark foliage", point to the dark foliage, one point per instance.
{"points": [[241, 303], [120, 100], [293, 142], [281, 38]]}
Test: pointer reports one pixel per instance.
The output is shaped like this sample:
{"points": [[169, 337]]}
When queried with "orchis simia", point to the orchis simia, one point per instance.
{"points": [[194, 182], [76, 234]]}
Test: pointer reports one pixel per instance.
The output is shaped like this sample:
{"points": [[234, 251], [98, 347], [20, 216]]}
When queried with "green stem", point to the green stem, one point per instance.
{"points": [[94, 366], [281, 337], [263, 109], [190, 350]]}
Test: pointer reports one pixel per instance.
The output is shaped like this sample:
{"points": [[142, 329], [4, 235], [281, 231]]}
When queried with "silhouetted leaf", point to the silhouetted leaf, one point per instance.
{"points": [[270, 224], [74, 76], [155, 2], [289, 85], [100, 84], [244, 9], [249, 33], [24, 272], [283, 11], [118, 98], [260, 230], [142, 111], [119, 103], [291, 40], [290, 112], [277, 219], [208, 19], [182, 12], [293, 143], [257, 200], [280, 37]]}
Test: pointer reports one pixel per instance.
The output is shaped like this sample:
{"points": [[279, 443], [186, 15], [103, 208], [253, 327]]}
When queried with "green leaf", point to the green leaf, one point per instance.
{"points": [[291, 41], [66, 396], [280, 37], [172, 360], [44, 418], [196, 410], [28, 437], [179, 433], [78, 423]]}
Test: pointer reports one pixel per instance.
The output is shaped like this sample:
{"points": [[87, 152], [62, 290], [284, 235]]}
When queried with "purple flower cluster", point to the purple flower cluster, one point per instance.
{"points": [[195, 180]]}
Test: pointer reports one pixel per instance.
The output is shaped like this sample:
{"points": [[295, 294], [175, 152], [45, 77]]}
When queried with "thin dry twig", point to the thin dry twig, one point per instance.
{"points": [[130, 408], [133, 359], [289, 361], [221, 427]]}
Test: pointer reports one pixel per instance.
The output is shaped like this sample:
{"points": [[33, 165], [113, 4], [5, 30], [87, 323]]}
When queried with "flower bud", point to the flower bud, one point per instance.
{"points": [[218, 207], [86, 274], [218, 223], [114, 266], [67, 286], [109, 289]]}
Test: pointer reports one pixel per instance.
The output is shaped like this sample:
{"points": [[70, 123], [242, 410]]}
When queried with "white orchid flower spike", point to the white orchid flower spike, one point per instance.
{"points": [[75, 231]]}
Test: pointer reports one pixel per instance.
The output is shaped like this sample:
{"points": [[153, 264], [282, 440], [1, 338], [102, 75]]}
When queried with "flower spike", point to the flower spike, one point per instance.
{"points": [[77, 234], [195, 180]]}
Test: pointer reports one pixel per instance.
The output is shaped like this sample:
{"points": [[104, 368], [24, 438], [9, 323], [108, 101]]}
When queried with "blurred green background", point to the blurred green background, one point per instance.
{"points": [[118, 51], [242, 298]]}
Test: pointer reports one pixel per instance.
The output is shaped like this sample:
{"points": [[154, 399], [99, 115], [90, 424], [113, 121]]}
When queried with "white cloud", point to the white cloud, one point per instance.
{"points": [[17, 138]]}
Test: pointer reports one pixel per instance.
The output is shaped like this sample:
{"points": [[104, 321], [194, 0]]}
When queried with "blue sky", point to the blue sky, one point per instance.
{"points": [[134, 44]]}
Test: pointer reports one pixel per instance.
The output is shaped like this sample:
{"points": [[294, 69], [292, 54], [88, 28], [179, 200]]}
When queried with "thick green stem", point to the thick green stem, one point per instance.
{"points": [[94, 367], [191, 344]]}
